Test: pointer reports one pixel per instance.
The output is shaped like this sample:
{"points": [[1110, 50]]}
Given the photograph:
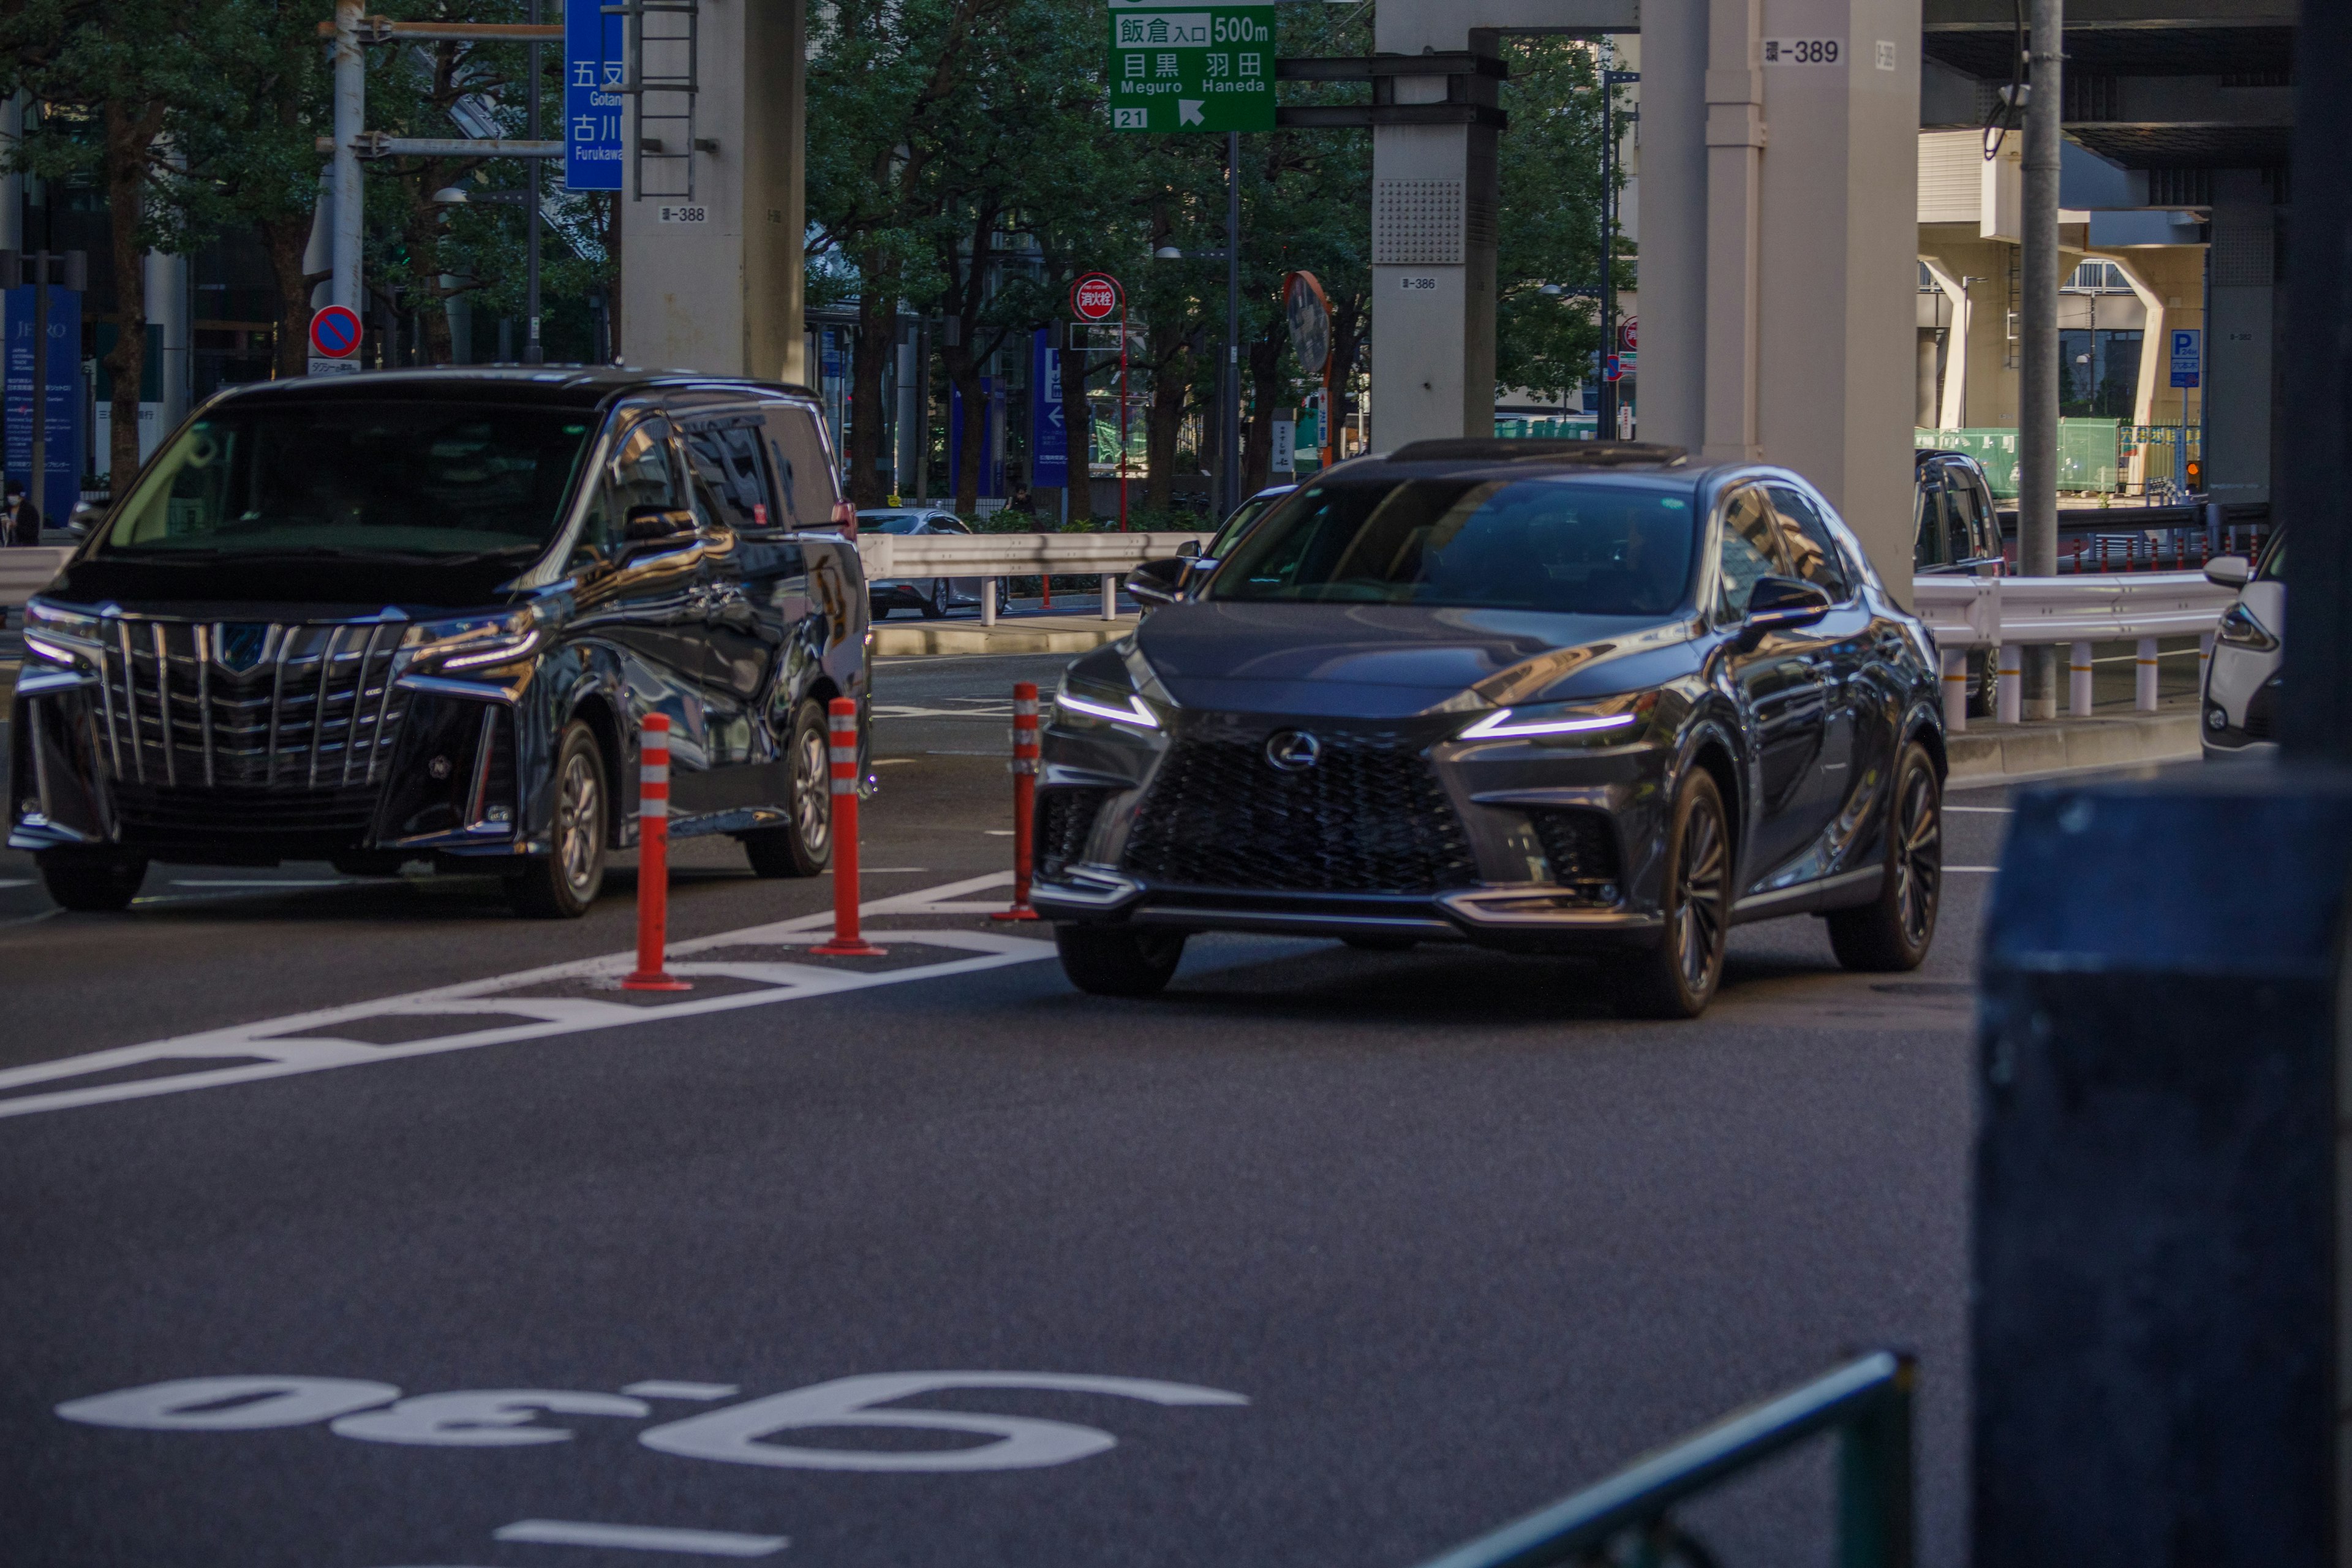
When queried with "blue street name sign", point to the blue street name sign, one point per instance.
{"points": [[595, 117], [2187, 357]]}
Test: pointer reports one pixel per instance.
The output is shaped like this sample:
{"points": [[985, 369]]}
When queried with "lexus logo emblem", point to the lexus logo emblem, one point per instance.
{"points": [[1293, 751]]}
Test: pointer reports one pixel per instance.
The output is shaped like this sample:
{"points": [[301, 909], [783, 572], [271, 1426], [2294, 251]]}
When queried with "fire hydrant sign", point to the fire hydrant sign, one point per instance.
{"points": [[1190, 68]]}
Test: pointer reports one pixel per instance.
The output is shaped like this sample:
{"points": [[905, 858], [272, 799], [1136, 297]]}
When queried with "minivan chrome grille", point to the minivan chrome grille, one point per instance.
{"points": [[244, 705]]}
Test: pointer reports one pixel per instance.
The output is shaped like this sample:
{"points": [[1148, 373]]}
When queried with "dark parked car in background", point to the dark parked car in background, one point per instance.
{"points": [[1541, 696], [418, 616], [1957, 533]]}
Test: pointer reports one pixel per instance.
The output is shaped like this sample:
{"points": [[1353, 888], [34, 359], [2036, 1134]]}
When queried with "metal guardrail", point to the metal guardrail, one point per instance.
{"points": [[1014, 554], [1867, 1401], [1992, 612]]}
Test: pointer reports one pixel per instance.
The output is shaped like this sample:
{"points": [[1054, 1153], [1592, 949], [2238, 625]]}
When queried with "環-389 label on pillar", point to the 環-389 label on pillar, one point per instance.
{"points": [[1176, 67]]}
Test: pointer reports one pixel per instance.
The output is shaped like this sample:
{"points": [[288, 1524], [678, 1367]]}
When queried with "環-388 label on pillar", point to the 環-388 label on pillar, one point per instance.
{"points": [[1176, 67]]}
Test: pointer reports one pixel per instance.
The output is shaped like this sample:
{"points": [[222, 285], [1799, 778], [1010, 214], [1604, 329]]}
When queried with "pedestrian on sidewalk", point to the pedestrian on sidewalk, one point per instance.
{"points": [[20, 521]]}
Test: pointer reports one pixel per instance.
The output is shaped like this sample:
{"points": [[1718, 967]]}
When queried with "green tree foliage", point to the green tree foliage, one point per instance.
{"points": [[1550, 168]]}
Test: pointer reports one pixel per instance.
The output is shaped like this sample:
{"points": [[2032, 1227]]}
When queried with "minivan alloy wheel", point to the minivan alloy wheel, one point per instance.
{"points": [[579, 823]]}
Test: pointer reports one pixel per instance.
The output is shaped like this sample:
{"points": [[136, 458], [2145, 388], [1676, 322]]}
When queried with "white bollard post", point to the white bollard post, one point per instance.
{"points": [[2146, 694], [1956, 689], [2009, 697], [1109, 597], [2078, 688], [988, 601]]}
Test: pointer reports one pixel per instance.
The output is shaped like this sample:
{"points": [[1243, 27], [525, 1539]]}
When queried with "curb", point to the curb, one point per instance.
{"points": [[902, 642], [2009, 751]]}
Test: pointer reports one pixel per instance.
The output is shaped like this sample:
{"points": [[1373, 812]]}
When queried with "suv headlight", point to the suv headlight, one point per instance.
{"points": [[2240, 629], [63, 637], [1086, 702], [474, 641], [1607, 719]]}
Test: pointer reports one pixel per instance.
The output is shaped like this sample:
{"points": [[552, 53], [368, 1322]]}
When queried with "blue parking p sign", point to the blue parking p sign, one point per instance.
{"points": [[594, 113], [2187, 359]]}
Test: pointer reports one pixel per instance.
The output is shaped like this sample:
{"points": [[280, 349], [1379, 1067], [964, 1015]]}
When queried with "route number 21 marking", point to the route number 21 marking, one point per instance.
{"points": [[738, 1433]]}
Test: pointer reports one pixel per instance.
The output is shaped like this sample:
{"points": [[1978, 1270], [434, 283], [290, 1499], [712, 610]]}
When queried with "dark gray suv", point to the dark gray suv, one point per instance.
{"points": [[1538, 695]]}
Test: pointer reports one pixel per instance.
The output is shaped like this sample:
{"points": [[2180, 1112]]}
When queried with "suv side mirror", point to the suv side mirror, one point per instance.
{"points": [[2229, 571], [1157, 582], [1782, 604], [657, 524]]}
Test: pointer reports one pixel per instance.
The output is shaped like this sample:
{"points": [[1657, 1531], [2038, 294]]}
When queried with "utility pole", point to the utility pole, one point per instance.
{"points": [[1230, 439], [533, 353], [350, 100], [2037, 401], [1605, 424]]}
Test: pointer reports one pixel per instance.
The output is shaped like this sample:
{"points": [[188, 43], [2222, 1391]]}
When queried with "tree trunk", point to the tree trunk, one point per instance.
{"points": [[1266, 386], [1163, 424], [286, 239], [1077, 423], [130, 131], [971, 453], [878, 299]]}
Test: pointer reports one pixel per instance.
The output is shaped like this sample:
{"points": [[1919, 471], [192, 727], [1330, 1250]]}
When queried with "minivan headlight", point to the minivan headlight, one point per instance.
{"points": [[475, 641], [63, 637]]}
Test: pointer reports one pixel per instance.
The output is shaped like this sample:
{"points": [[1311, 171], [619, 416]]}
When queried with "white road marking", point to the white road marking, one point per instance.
{"points": [[893, 870], [892, 762], [1981, 871], [983, 707], [15, 881], [305, 1042], [661, 1388], [998, 832], [642, 1538], [1986, 810]]}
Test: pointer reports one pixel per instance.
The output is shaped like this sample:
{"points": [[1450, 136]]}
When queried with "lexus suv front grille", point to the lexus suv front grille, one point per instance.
{"points": [[238, 707], [1368, 817]]}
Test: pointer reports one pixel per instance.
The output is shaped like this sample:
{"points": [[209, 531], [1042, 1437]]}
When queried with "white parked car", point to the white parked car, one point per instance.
{"points": [[2242, 688]]}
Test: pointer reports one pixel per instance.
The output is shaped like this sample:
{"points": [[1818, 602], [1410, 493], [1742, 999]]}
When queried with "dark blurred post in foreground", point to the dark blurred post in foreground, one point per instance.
{"points": [[2156, 1322]]}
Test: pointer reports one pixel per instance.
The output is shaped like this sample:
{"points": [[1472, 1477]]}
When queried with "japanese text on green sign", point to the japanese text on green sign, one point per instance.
{"points": [[1206, 69]]}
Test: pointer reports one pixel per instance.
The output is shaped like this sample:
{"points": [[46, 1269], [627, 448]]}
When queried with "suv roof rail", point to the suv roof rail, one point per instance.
{"points": [[1508, 449]]}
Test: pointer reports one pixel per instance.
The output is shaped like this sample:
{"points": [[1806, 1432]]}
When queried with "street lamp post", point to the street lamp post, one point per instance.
{"points": [[1230, 412], [533, 353]]}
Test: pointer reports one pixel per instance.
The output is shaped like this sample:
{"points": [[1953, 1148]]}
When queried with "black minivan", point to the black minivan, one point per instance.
{"points": [[419, 616]]}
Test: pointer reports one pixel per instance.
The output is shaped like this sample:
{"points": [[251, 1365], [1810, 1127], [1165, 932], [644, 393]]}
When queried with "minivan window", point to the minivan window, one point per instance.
{"points": [[375, 480], [727, 463], [803, 472], [1564, 545], [639, 473]]}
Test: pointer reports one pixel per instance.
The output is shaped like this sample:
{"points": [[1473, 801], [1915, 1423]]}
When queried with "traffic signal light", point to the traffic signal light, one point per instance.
{"points": [[2195, 473]]}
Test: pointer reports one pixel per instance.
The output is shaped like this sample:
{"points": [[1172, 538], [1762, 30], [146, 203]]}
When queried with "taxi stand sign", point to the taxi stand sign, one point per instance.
{"points": [[1178, 68]]}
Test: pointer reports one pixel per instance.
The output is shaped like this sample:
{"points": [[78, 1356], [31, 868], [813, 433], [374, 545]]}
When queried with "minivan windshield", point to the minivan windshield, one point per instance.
{"points": [[421, 480], [1566, 544]]}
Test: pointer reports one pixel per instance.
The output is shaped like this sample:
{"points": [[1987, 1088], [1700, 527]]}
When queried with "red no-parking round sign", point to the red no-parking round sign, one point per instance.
{"points": [[1630, 331], [1094, 297], [335, 331]]}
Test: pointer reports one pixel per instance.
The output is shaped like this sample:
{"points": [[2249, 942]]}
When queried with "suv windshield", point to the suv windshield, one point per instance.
{"points": [[1562, 545], [400, 479]]}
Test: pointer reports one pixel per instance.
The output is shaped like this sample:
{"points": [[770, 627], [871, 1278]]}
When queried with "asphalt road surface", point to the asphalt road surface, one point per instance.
{"points": [[1324, 1257]]}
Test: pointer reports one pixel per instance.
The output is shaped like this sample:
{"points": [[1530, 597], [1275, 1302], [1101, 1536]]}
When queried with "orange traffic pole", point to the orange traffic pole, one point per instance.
{"points": [[841, 720], [1024, 799], [653, 860]]}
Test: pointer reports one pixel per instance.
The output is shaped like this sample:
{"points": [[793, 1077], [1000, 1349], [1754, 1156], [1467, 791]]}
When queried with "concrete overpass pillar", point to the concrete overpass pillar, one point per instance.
{"points": [[1778, 244], [724, 294], [1437, 204]]}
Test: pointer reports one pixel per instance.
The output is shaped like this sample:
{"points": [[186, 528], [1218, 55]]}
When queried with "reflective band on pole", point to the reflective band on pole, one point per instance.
{"points": [[847, 941]]}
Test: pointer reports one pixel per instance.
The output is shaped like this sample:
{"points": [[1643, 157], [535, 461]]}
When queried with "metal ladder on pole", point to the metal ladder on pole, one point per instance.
{"points": [[663, 54]]}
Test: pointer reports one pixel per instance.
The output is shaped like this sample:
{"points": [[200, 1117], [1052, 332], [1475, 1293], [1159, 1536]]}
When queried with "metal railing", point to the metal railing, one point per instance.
{"points": [[1110, 556], [2014, 612], [1628, 1518]]}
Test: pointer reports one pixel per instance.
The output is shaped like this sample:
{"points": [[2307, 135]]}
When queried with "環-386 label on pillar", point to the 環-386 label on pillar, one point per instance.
{"points": [[1190, 68]]}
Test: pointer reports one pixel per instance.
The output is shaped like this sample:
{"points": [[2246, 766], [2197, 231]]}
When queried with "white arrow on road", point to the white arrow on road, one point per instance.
{"points": [[1188, 111]]}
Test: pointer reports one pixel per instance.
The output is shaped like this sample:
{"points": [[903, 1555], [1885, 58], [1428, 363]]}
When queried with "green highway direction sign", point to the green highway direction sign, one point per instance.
{"points": [[1190, 68]]}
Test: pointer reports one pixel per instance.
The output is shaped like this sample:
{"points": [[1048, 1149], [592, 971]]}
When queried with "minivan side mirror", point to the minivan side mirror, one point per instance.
{"points": [[1782, 604], [1189, 548], [1157, 582], [2229, 571], [657, 524]]}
